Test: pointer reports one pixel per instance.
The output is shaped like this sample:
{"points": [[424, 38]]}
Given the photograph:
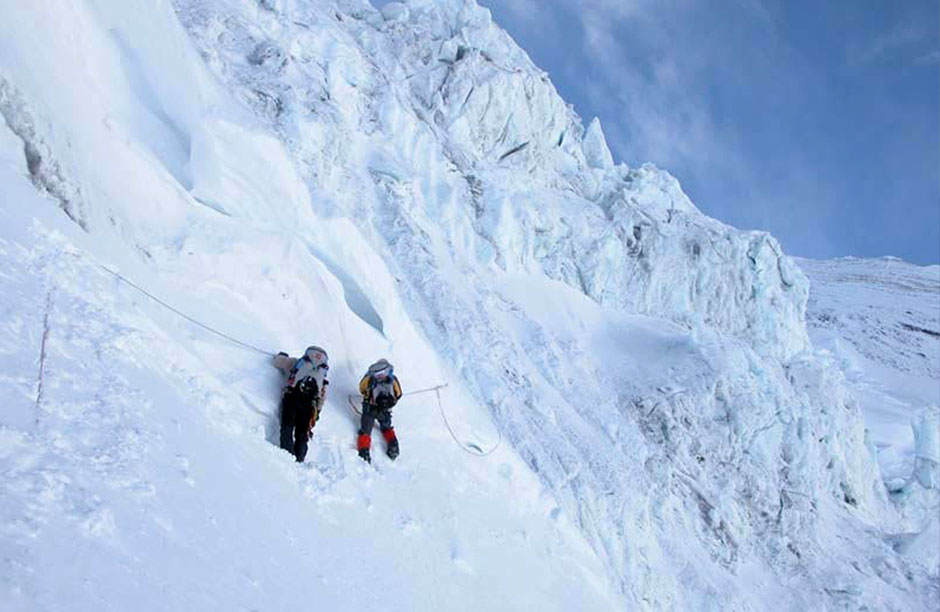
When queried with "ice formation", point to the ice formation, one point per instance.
{"points": [[406, 183]]}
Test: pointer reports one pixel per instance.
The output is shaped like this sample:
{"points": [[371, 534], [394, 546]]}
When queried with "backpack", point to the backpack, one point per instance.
{"points": [[309, 373], [382, 385]]}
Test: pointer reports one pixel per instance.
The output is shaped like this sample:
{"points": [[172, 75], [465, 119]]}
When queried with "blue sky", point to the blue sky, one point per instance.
{"points": [[817, 121]]}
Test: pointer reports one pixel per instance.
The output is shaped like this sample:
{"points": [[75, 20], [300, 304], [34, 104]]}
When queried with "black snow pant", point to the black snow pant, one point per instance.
{"points": [[296, 412], [371, 414]]}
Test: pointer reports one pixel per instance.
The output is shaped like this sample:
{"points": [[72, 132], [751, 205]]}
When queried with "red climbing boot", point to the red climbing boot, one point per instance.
{"points": [[363, 443], [392, 441]]}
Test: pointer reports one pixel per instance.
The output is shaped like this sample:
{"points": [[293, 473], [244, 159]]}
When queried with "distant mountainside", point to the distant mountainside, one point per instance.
{"points": [[881, 318], [887, 309]]}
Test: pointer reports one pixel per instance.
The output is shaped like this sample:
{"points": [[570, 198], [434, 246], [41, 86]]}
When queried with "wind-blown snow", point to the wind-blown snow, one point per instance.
{"points": [[406, 184]]}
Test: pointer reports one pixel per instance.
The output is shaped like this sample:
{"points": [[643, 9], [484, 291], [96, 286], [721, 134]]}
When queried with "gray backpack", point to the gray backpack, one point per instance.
{"points": [[310, 370], [382, 384]]}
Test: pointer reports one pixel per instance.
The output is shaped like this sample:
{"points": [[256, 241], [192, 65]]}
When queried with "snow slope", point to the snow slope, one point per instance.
{"points": [[401, 183]]}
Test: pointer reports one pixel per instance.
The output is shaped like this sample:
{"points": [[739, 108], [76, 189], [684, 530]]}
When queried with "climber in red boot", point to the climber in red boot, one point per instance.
{"points": [[380, 391]]}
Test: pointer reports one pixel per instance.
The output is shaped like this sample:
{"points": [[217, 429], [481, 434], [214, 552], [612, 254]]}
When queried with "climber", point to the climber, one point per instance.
{"points": [[380, 391], [302, 397]]}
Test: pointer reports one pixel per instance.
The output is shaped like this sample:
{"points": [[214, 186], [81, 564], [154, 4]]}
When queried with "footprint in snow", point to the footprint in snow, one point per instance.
{"points": [[408, 524], [183, 463], [458, 560]]}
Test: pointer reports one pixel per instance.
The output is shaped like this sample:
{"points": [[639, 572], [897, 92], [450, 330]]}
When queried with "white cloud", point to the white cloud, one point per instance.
{"points": [[650, 107], [928, 59]]}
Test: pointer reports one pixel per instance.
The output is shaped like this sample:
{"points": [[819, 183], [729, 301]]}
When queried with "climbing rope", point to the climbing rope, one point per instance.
{"points": [[40, 382], [351, 400], [182, 314], [434, 388], [354, 399], [467, 447]]}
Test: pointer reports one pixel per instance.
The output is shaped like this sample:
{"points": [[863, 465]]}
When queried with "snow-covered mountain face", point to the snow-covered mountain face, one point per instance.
{"points": [[401, 183], [886, 309], [881, 319]]}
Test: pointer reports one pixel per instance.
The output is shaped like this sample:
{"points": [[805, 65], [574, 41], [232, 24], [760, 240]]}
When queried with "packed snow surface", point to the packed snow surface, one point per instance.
{"points": [[406, 184]]}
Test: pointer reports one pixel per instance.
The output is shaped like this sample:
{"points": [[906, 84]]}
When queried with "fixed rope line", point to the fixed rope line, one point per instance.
{"points": [[467, 447], [183, 314], [434, 388], [470, 448], [351, 400], [354, 398], [40, 389]]}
